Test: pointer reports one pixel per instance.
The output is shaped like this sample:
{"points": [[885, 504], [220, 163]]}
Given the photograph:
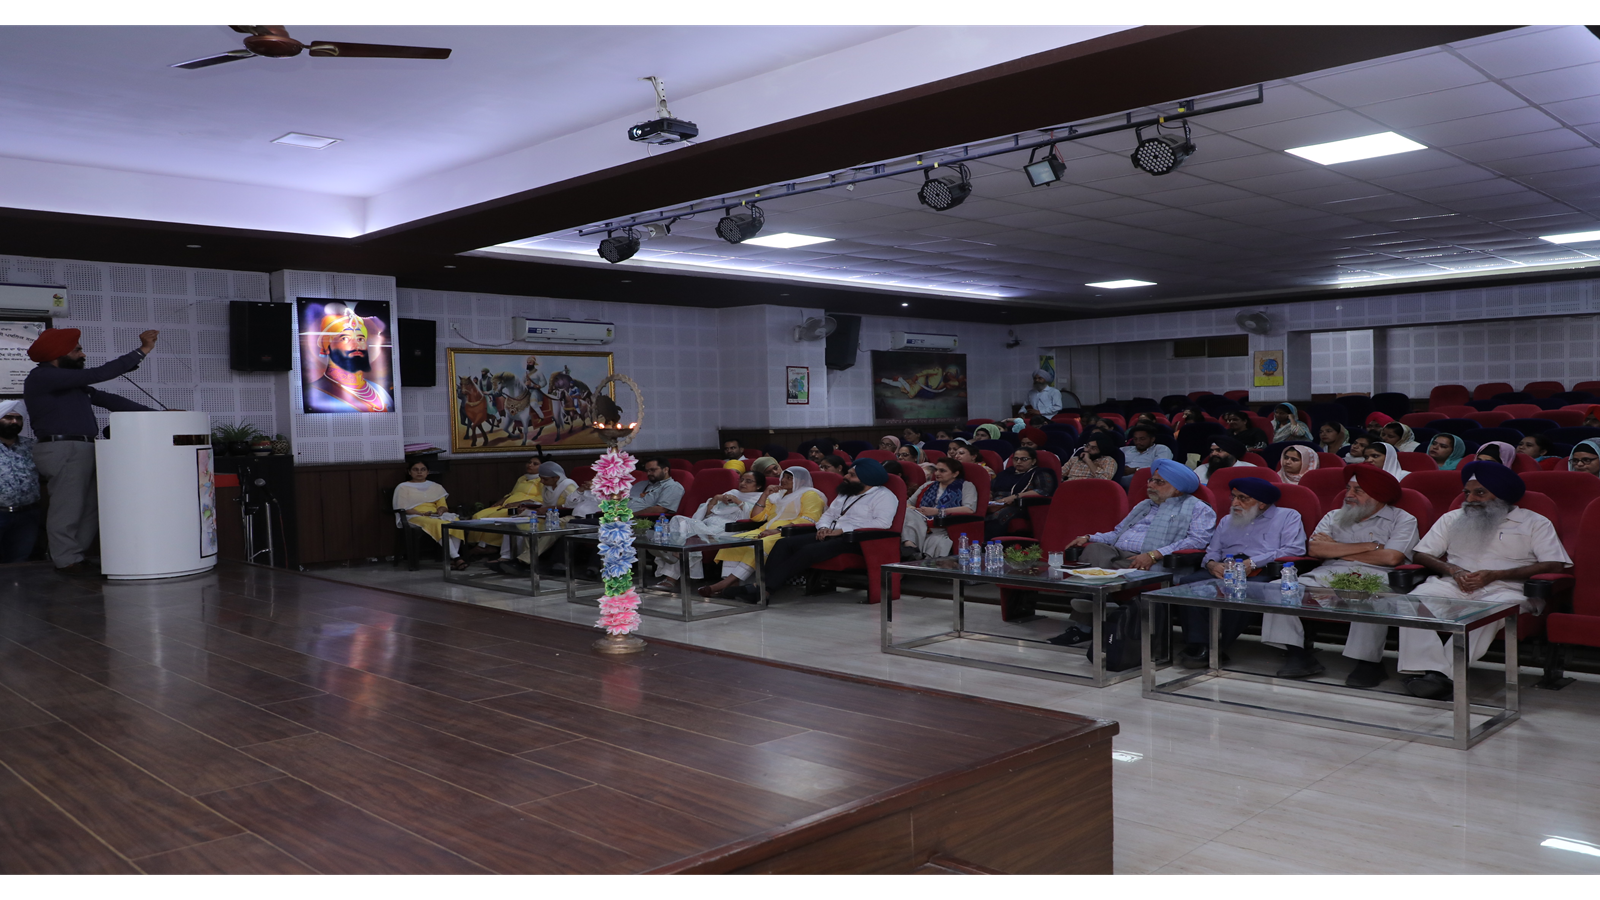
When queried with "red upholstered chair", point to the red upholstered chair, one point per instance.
{"points": [[882, 548], [675, 463], [934, 456], [1455, 412], [1520, 410], [1330, 460], [1235, 396], [1196, 395], [1523, 464], [1066, 419], [1050, 461], [1218, 482], [1587, 387], [685, 478], [582, 475], [794, 456], [974, 423], [1252, 458], [1543, 389], [1309, 506], [1420, 507], [992, 458], [1262, 423], [708, 484], [1490, 419], [638, 476], [1417, 420], [827, 483], [1448, 395], [752, 453], [972, 526], [879, 455], [704, 464], [1564, 418], [803, 463], [1531, 627], [1439, 487], [1488, 390], [913, 476], [1572, 493], [1329, 484], [1084, 506], [1141, 480], [1580, 626], [1553, 464], [843, 455], [1116, 420], [1417, 462]]}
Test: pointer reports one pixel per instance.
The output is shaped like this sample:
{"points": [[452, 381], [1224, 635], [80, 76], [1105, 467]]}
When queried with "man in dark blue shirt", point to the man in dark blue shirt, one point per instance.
{"points": [[19, 487], [60, 401]]}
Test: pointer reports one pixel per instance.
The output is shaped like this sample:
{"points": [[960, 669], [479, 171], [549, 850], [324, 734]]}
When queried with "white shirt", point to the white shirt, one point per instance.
{"points": [[1525, 538], [873, 509], [1046, 400], [1137, 459], [1390, 526]]}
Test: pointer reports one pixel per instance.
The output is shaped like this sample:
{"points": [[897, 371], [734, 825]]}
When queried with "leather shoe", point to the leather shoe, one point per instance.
{"points": [[1072, 637], [1366, 674], [708, 591], [1196, 656], [81, 569], [1431, 686], [1299, 663]]}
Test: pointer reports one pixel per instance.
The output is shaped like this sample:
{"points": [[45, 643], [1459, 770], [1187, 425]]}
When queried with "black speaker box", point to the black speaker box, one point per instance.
{"points": [[260, 336], [843, 343], [417, 362]]}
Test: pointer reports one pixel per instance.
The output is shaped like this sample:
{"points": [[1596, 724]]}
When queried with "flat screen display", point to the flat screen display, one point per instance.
{"points": [[346, 356]]}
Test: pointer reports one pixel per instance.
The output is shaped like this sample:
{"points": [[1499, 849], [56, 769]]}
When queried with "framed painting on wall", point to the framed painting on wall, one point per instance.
{"points": [[910, 386], [797, 385], [505, 400], [1269, 368]]}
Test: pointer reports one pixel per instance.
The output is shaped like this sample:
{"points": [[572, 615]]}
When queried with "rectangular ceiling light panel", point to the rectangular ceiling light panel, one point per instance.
{"points": [[1370, 147], [1576, 237], [786, 240], [308, 141], [1124, 283]]}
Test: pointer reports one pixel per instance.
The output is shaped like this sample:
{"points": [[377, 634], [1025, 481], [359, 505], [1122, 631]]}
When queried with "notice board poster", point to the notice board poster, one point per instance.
{"points": [[1269, 368], [15, 338]]}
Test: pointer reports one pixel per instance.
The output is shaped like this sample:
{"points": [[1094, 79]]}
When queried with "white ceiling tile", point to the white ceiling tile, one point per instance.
{"points": [[1580, 158], [1582, 111], [1522, 145], [1561, 84], [1442, 106], [1332, 126], [1540, 51], [1435, 71], [1506, 123]]}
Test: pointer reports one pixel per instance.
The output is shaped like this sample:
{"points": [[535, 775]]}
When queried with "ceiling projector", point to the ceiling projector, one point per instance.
{"points": [[663, 129]]}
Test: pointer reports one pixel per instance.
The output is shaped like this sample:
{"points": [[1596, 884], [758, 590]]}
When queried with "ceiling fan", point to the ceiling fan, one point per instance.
{"points": [[274, 41]]}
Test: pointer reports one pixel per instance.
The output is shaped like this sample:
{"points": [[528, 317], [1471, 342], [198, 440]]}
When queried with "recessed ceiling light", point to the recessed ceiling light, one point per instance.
{"points": [[786, 240], [1373, 145], [308, 141], [627, 281], [1583, 847], [1576, 237], [192, 246], [1126, 756], [905, 304], [1124, 283], [449, 267]]}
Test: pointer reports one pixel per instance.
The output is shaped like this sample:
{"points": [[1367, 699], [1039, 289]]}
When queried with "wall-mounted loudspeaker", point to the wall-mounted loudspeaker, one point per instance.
{"points": [[843, 342], [416, 351], [260, 336]]}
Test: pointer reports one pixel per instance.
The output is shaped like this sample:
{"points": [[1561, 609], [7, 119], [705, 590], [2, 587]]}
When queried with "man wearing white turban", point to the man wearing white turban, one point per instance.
{"points": [[1043, 399]]}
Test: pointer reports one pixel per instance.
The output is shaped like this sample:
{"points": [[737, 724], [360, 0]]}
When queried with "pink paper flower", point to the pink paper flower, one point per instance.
{"points": [[613, 474], [620, 614]]}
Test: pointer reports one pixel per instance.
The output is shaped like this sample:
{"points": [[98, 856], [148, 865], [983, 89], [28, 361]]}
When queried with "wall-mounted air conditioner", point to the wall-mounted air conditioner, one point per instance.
{"points": [[561, 331], [33, 299], [908, 340]]}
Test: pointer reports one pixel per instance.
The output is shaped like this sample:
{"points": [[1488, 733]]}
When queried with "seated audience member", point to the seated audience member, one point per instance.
{"points": [[1332, 437], [821, 450], [1359, 442], [790, 501], [961, 453], [736, 465], [1149, 418], [863, 504], [947, 494], [1240, 429], [773, 451], [911, 437], [1485, 550], [1034, 438], [555, 491], [1537, 447], [909, 455], [1044, 399], [1287, 425], [731, 449], [1097, 458], [893, 468], [1225, 453], [658, 495], [1091, 423], [942, 436], [422, 502], [19, 486], [1367, 535], [1376, 421], [1385, 457], [1025, 478], [1591, 417], [1257, 529], [1295, 462], [1399, 436], [767, 467], [1585, 457], [1447, 450], [1142, 450], [889, 442], [1193, 437], [708, 521], [834, 464], [1169, 519], [987, 432], [1497, 451]]}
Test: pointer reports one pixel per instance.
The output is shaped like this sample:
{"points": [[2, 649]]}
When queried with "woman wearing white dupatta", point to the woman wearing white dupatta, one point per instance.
{"points": [[1386, 457], [422, 502], [710, 521], [793, 502]]}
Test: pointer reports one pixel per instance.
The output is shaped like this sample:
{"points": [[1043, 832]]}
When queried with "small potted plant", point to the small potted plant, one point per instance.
{"points": [[1356, 586], [234, 440], [280, 445]]}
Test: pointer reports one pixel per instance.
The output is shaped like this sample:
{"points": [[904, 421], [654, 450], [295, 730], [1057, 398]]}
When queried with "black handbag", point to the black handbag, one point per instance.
{"points": [[1120, 636]]}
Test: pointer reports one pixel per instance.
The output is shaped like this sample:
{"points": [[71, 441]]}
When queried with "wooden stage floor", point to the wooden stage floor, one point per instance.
{"points": [[260, 721]]}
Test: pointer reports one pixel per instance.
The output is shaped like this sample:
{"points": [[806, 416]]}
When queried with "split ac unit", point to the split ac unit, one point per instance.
{"points": [[561, 331], [34, 299], [907, 340]]}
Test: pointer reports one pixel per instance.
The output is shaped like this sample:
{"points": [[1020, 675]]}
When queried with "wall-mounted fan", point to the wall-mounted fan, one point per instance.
{"points": [[1257, 322], [815, 328], [273, 41]]}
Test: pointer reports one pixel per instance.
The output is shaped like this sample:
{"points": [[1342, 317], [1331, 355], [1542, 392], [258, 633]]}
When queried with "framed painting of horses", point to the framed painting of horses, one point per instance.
{"points": [[508, 400]]}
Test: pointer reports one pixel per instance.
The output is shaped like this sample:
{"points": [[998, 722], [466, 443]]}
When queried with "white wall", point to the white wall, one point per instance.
{"points": [[1563, 349], [1147, 369]]}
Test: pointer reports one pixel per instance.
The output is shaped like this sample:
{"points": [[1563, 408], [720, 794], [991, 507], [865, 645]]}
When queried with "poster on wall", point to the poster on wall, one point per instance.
{"points": [[1047, 362], [15, 338], [346, 363], [206, 486], [1269, 368], [797, 385], [510, 399], [911, 386]]}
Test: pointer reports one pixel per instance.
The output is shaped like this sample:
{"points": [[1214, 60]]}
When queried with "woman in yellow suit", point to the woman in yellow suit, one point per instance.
{"points": [[525, 495], [422, 502], [793, 502]]}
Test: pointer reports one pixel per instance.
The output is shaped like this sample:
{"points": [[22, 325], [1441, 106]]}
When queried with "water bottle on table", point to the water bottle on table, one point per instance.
{"points": [[661, 527], [1289, 581]]}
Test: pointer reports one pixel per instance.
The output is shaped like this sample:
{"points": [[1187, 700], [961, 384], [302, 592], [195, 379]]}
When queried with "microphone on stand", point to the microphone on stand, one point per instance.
{"points": [[145, 392]]}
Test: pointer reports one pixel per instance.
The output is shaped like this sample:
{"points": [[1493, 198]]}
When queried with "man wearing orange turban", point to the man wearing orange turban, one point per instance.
{"points": [[342, 340]]}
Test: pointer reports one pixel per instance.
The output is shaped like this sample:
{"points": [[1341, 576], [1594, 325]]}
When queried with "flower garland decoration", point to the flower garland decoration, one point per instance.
{"points": [[619, 605]]}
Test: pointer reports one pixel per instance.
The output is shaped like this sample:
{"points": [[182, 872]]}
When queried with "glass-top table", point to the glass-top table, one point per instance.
{"points": [[688, 605], [1017, 650], [519, 528], [1450, 616]]}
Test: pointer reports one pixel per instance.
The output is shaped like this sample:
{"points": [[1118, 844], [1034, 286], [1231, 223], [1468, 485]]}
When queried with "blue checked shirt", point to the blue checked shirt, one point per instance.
{"points": [[19, 479]]}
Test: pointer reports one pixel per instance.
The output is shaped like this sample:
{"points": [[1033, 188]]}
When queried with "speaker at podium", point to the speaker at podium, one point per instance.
{"points": [[158, 497]]}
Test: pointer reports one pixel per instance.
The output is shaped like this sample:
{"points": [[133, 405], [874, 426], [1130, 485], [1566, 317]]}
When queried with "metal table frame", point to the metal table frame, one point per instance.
{"points": [[1462, 736], [510, 529], [1097, 593], [686, 593]]}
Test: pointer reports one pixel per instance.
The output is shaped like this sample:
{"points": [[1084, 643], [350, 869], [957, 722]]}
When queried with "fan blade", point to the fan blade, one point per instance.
{"points": [[201, 63], [260, 29], [386, 51]]}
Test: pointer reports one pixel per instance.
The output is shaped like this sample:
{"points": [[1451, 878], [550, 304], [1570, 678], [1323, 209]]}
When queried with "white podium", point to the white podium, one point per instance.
{"points": [[158, 498]]}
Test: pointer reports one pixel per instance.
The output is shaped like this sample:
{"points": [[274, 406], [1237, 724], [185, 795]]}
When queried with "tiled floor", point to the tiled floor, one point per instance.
{"points": [[1218, 792]]}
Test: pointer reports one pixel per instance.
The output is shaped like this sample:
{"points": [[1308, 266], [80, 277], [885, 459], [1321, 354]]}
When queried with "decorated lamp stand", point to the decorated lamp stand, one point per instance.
{"points": [[613, 480]]}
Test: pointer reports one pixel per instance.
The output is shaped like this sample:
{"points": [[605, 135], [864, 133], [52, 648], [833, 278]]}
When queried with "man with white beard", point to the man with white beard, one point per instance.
{"points": [[1485, 550], [1260, 531], [1368, 536]]}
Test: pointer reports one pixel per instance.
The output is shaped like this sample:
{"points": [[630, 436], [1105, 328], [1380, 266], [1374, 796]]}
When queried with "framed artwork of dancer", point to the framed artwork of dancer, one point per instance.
{"points": [[910, 386], [504, 400]]}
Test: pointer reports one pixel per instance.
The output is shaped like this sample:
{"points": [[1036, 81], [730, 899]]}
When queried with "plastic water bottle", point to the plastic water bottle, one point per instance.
{"points": [[1230, 573], [996, 556], [965, 544], [1290, 580], [553, 518], [964, 556], [661, 528]]}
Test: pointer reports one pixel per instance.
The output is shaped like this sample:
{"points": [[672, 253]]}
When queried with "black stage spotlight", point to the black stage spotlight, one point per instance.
{"points": [[1044, 171], [1162, 153], [734, 228], [615, 249], [946, 191]]}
